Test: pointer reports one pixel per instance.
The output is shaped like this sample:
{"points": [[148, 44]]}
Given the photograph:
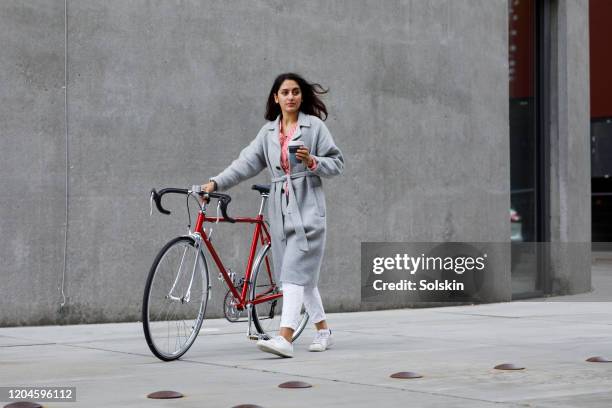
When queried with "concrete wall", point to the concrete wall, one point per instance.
{"points": [[570, 171], [32, 160], [167, 93]]}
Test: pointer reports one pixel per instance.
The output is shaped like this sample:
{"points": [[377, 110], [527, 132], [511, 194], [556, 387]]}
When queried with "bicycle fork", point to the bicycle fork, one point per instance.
{"points": [[176, 279], [187, 296]]}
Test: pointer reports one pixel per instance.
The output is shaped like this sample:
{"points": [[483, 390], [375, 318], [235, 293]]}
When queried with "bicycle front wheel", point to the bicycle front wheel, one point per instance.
{"points": [[267, 315], [175, 298]]}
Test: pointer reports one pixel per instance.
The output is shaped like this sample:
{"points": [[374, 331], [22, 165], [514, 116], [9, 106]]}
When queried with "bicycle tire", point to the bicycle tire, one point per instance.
{"points": [[266, 316], [187, 288]]}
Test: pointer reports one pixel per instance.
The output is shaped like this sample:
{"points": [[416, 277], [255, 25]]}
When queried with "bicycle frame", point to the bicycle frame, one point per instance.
{"points": [[260, 234]]}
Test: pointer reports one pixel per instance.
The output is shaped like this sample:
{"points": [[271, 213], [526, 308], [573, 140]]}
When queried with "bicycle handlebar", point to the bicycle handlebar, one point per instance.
{"points": [[224, 199]]}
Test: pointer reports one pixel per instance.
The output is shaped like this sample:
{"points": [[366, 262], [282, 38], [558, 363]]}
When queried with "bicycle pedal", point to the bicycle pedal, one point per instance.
{"points": [[253, 337]]}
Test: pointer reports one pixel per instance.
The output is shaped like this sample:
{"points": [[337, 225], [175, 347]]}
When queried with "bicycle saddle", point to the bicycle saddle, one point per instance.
{"points": [[262, 188]]}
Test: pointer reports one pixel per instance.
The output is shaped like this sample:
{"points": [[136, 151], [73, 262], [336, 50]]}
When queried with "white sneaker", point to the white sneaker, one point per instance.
{"points": [[276, 345], [322, 341]]}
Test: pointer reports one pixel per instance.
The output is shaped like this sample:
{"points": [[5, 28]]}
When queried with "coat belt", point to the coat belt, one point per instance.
{"points": [[293, 210]]}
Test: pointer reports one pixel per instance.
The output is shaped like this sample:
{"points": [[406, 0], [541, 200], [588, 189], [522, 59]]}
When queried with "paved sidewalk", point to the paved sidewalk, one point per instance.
{"points": [[454, 348]]}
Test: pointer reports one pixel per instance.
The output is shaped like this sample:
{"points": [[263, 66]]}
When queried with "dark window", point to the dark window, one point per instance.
{"points": [[526, 146], [600, 31]]}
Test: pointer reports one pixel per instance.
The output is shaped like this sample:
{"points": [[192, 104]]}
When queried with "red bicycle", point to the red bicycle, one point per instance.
{"points": [[178, 286]]}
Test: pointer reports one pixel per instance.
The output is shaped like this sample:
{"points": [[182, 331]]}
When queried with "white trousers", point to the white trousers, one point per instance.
{"points": [[293, 298]]}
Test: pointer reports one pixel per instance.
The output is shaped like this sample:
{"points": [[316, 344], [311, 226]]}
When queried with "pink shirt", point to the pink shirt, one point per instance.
{"points": [[284, 142]]}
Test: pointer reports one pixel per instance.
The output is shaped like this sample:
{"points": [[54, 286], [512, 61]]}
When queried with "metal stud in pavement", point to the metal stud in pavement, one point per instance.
{"points": [[508, 366], [165, 395], [247, 406], [295, 384], [23, 404], [598, 359], [406, 375]]}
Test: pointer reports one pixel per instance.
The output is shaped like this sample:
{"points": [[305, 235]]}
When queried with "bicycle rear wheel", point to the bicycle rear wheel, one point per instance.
{"points": [[175, 298], [267, 315]]}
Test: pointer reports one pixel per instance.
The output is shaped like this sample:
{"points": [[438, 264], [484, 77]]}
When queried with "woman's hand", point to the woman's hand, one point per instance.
{"points": [[304, 156], [207, 188]]}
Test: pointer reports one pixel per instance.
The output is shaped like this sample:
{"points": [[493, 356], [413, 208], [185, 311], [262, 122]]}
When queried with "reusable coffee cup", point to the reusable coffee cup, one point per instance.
{"points": [[294, 145]]}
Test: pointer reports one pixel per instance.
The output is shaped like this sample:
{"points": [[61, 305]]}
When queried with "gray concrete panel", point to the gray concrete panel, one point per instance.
{"points": [[570, 174], [32, 158]]}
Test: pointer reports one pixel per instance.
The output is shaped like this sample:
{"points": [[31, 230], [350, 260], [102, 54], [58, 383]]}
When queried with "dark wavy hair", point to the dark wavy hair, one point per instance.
{"points": [[311, 103]]}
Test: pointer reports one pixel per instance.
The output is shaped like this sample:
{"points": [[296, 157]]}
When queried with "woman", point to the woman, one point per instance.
{"points": [[296, 209]]}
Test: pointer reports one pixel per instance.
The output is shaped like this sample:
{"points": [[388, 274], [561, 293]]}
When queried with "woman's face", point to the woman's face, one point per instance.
{"points": [[289, 96]]}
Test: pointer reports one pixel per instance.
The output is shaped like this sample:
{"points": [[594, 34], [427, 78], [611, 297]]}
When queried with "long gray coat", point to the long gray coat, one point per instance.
{"points": [[297, 227]]}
